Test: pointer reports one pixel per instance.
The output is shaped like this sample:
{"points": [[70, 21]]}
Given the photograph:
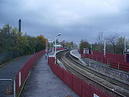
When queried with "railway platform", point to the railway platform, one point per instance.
{"points": [[76, 53], [44, 83]]}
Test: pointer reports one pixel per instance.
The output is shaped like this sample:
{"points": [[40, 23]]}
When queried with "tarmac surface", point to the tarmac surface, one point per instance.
{"points": [[8, 71], [44, 83]]}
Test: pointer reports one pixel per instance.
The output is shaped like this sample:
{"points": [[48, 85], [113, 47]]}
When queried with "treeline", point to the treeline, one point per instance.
{"points": [[68, 45], [14, 43], [114, 44]]}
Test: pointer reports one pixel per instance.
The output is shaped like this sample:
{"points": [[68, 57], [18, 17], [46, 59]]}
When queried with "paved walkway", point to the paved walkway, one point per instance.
{"points": [[8, 71], [43, 83]]}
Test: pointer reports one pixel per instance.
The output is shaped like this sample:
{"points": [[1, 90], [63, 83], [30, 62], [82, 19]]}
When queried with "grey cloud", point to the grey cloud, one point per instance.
{"points": [[76, 21]]}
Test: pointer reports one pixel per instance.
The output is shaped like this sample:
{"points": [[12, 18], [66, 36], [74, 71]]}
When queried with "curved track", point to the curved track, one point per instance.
{"points": [[110, 85]]}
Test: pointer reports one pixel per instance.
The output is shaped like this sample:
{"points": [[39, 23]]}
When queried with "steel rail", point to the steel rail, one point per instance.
{"points": [[68, 63]]}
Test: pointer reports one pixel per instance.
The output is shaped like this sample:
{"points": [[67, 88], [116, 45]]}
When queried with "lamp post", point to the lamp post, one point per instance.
{"points": [[46, 46], [125, 49], [104, 47], [125, 45], [91, 46], [55, 45]]}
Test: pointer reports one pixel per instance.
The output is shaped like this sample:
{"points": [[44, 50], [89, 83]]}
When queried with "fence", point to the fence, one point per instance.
{"points": [[82, 88], [23, 73], [115, 60], [9, 88], [59, 49]]}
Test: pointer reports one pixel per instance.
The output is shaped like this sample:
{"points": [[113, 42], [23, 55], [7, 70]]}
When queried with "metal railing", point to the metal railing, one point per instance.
{"points": [[14, 85]]}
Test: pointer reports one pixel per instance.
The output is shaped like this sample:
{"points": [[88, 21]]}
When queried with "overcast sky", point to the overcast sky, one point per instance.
{"points": [[75, 19]]}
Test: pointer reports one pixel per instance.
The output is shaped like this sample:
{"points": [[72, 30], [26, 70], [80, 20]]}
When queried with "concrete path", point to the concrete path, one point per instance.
{"points": [[8, 71], [44, 83]]}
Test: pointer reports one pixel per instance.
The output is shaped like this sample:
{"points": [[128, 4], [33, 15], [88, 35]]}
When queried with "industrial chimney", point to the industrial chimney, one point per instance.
{"points": [[19, 25]]}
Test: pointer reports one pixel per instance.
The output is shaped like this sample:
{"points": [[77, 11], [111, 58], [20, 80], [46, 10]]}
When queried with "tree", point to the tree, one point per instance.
{"points": [[13, 43], [11, 40], [100, 38], [41, 42], [112, 40], [120, 45], [100, 41], [69, 45], [84, 44]]}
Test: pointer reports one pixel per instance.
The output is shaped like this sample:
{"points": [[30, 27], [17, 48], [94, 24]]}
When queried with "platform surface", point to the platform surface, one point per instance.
{"points": [[44, 83], [76, 53]]}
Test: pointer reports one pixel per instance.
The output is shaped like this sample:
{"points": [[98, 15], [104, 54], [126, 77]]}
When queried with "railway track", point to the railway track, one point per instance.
{"points": [[110, 85]]}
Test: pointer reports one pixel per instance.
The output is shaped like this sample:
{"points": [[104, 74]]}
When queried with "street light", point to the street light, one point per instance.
{"points": [[55, 45], [125, 49], [91, 46], [104, 48]]}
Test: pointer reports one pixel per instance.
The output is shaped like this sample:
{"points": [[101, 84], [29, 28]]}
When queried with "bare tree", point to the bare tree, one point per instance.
{"points": [[112, 39], [120, 45], [100, 38]]}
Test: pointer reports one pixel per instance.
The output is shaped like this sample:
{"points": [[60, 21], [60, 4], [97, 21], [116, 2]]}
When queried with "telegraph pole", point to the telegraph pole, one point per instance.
{"points": [[104, 47], [125, 45]]}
